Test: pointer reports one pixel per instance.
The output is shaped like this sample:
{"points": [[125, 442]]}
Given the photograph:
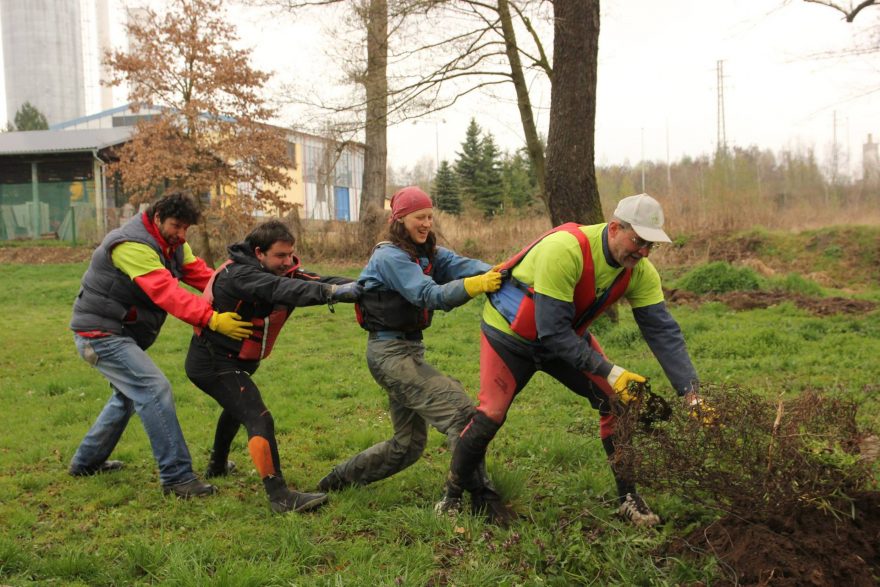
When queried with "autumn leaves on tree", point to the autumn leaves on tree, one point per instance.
{"points": [[209, 134]]}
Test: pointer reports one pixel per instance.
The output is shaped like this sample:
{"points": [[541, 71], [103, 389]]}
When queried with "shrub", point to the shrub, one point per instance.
{"points": [[797, 284], [719, 277], [751, 457]]}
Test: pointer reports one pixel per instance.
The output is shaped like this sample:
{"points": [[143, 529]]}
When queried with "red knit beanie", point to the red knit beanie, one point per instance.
{"points": [[408, 200]]}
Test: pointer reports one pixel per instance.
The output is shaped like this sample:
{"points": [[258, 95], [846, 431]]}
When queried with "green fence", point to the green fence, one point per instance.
{"points": [[63, 209]]}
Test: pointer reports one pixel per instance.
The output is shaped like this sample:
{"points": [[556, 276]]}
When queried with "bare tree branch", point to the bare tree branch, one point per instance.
{"points": [[849, 12]]}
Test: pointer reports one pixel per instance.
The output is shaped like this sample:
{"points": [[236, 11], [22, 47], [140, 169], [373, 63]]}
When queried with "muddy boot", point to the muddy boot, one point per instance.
{"points": [[333, 482], [105, 467], [633, 508], [486, 502], [282, 499], [189, 489], [451, 504]]}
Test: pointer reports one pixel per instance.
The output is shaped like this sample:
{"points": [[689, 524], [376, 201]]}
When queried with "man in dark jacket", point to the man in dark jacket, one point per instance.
{"points": [[263, 283], [132, 283]]}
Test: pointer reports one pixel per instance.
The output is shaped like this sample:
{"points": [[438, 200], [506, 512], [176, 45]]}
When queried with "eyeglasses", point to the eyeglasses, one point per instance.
{"points": [[641, 243]]}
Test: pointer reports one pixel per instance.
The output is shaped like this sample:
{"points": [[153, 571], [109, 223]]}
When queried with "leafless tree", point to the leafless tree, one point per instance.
{"points": [[848, 9], [435, 65]]}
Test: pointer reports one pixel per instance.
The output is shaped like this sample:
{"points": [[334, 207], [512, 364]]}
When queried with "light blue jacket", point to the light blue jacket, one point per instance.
{"points": [[391, 268]]}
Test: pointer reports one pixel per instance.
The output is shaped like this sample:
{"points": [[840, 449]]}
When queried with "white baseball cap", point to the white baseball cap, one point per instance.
{"points": [[645, 215]]}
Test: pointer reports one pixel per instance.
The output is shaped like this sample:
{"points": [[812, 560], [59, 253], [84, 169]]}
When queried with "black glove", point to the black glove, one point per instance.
{"points": [[348, 292]]}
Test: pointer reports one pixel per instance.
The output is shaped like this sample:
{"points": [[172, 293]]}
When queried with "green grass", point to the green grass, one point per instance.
{"points": [[120, 529]]}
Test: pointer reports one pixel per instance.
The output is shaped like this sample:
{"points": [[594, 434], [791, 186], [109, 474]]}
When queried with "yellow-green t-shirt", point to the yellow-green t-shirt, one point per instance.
{"points": [[554, 267], [136, 259]]}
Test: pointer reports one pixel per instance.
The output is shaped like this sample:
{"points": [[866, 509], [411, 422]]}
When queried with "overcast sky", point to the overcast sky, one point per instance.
{"points": [[657, 93]]}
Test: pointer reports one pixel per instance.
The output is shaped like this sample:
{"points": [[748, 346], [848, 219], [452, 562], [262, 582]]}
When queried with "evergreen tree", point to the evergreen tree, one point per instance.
{"points": [[469, 160], [446, 195], [519, 181], [29, 118], [488, 188]]}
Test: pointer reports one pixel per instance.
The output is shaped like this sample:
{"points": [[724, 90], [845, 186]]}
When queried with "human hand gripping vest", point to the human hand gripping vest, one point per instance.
{"points": [[230, 324], [486, 283], [619, 379]]}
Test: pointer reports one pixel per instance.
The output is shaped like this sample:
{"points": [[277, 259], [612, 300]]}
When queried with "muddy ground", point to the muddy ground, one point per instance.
{"points": [[44, 255], [818, 548], [749, 300]]}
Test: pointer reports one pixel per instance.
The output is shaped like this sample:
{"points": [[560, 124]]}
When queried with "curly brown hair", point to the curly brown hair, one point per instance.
{"points": [[177, 204]]}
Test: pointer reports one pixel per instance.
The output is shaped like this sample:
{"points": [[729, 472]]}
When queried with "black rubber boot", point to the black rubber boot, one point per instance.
{"points": [[470, 453], [486, 502], [333, 482], [622, 478], [282, 499]]}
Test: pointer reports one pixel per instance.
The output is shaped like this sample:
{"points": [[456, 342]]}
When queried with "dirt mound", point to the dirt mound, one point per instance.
{"points": [[44, 255], [778, 472], [749, 300], [815, 548]]}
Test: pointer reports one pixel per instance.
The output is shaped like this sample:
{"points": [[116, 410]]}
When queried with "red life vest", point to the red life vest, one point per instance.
{"points": [[587, 306]]}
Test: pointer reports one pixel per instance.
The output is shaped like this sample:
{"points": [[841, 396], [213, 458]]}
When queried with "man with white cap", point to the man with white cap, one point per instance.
{"points": [[538, 320]]}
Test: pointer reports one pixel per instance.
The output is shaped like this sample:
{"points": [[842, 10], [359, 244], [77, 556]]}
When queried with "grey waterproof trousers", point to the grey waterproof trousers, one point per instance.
{"points": [[418, 395]]}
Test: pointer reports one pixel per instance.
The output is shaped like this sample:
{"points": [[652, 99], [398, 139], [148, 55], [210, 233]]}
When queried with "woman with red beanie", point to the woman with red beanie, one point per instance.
{"points": [[408, 277]]}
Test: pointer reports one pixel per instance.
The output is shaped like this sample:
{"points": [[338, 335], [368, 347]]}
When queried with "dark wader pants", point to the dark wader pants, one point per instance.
{"points": [[418, 395]]}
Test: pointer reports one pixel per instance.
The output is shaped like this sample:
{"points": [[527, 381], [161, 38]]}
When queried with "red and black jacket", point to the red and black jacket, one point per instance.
{"points": [[259, 296]]}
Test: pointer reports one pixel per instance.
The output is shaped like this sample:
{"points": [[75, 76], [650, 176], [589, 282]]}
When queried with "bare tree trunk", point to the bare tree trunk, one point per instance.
{"points": [[533, 143], [376, 131], [572, 192]]}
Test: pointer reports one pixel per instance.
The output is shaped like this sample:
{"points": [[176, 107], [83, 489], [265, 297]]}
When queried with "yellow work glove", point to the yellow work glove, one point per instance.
{"points": [[619, 379], [487, 282], [700, 410], [230, 324]]}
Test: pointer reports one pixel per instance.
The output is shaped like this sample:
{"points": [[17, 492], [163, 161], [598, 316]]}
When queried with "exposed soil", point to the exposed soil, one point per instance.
{"points": [[44, 255], [749, 300], [814, 548]]}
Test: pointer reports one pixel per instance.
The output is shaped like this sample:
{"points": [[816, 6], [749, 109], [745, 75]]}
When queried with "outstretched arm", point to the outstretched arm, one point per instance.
{"points": [[664, 337]]}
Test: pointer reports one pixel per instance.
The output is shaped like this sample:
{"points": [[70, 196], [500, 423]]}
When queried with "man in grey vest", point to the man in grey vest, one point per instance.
{"points": [[131, 285]]}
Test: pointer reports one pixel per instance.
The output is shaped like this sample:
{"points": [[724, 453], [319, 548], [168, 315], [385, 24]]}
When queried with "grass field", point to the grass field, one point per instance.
{"points": [[119, 529]]}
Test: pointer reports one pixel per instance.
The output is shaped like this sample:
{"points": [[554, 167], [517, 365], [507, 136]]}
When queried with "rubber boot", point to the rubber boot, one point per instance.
{"points": [[470, 453], [622, 477], [282, 499], [486, 502], [333, 482]]}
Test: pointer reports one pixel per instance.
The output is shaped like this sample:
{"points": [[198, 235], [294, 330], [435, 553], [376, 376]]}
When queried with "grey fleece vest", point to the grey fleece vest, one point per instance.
{"points": [[107, 296]]}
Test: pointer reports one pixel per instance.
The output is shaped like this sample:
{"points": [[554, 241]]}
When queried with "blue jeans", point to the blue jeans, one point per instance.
{"points": [[138, 386]]}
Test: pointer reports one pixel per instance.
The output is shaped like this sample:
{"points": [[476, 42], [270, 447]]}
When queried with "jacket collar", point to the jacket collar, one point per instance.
{"points": [[606, 251]]}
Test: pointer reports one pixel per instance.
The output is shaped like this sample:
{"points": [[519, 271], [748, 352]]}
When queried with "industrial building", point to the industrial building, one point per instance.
{"points": [[43, 57], [53, 183]]}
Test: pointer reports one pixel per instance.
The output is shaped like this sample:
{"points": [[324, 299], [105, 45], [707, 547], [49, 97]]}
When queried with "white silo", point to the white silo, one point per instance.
{"points": [[42, 57]]}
